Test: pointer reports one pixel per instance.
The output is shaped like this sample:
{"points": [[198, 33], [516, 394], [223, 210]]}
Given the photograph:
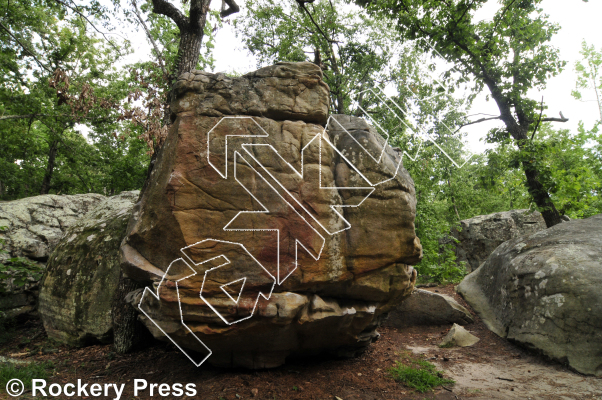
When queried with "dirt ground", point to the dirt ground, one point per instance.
{"points": [[491, 369]]}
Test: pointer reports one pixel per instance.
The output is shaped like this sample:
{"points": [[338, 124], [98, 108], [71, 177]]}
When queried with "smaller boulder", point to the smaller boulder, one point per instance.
{"points": [[458, 336], [30, 228], [428, 308], [480, 235], [82, 275], [543, 291]]}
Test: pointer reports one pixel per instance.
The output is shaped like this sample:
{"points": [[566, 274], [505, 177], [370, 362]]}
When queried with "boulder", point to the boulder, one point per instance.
{"points": [[427, 308], [458, 336], [480, 235], [82, 274], [256, 235], [543, 291], [34, 226]]}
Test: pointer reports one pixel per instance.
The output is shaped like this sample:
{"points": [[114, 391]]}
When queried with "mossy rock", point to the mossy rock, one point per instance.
{"points": [[82, 274]]}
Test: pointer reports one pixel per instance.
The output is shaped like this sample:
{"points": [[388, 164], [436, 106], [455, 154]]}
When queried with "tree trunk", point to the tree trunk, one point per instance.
{"points": [[54, 146], [540, 196], [519, 132], [451, 192], [128, 332], [189, 50]]}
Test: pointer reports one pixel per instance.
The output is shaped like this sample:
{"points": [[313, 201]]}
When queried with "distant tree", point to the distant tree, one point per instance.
{"points": [[589, 74], [508, 54]]}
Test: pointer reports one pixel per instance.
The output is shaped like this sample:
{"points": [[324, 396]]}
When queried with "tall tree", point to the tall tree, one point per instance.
{"points": [[508, 54]]}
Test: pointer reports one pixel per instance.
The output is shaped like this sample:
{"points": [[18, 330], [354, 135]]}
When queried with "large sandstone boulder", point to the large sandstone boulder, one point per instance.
{"points": [[480, 235], [316, 264], [543, 291], [82, 274], [33, 228]]}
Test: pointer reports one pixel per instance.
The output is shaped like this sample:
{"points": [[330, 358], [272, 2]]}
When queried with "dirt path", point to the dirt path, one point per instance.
{"points": [[491, 369]]}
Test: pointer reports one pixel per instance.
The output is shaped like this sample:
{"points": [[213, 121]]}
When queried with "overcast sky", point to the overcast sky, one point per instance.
{"points": [[578, 21]]}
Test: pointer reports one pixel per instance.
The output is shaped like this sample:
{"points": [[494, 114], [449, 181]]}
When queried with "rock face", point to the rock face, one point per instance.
{"points": [[428, 308], [480, 235], [243, 209], [543, 291], [34, 226], [83, 273]]}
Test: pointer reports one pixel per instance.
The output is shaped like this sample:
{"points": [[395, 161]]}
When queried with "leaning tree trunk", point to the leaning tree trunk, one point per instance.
{"points": [[519, 131], [541, 196]]}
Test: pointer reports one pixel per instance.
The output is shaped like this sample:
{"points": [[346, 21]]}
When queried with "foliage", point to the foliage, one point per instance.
{"points": [[64, 126], [25, 373], [589, 74], [20, 270], [573, 166], [355, 51], [419, 375]]}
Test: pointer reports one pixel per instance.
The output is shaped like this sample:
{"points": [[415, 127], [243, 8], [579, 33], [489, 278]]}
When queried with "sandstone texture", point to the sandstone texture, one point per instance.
{"points": [[34, 226], [278, 230], [480, 235], [427, 308], [82, 274], [543, 291]]}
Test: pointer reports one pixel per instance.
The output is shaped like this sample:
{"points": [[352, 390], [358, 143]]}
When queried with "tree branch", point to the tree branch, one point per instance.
{"points": [[31, 116], [25, 116], [498, 22], [164, 7], [302, 4], [78, 12], [477, 122], [150, 38], [554, 119], [232, 8], [25, 48]]}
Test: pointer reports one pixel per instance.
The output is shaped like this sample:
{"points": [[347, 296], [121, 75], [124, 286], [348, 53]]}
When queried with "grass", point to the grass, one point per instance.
{"points": [[25, 372], [419, 375]]}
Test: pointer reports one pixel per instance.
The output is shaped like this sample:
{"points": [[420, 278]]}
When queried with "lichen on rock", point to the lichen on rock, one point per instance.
{"points": [[34, 226], [83, 273], [543, 291]]}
